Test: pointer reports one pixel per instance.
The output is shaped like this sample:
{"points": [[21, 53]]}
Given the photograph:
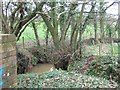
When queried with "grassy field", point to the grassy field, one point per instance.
{"points": [[29, 35]]}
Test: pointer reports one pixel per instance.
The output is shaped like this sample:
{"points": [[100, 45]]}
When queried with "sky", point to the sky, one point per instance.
{"points": [[112, 10]]}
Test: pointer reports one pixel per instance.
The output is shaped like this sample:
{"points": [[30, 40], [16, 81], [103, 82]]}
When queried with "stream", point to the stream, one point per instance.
{"points": [[39, 68]]}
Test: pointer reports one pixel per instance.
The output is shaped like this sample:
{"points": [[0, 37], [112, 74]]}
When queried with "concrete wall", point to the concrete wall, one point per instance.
{"points": [[8, 60]]}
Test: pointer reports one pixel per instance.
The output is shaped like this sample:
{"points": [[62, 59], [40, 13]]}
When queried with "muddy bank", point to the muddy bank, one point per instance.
{"points": [[29, 58]]}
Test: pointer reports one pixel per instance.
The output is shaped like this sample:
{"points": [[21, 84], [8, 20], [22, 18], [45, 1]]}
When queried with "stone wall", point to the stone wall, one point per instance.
{"points": [[8, 61]]}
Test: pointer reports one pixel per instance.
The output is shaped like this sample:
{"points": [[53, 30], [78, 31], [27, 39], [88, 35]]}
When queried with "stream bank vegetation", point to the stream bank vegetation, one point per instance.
{"points": [[80, 38], [62, 79]]}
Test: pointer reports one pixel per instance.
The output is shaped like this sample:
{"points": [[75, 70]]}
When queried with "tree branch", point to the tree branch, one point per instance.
{"points": [[24, 27], [87, 18], [27, 19], [109, 6]]}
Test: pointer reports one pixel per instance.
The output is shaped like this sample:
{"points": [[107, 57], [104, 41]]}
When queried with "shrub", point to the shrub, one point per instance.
{"points": [[102, 66], [34, 61], [106, 67]]}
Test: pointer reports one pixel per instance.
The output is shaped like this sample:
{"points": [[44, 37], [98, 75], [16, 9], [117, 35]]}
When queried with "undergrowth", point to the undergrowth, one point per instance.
{"points": [[62, 79]]}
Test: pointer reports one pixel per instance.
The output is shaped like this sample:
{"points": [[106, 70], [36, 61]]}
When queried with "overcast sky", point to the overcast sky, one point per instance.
{"points": [[113, 9]]}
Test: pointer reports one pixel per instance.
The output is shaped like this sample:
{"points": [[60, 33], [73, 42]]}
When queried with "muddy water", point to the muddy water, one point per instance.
{"points": [[39, 68]]}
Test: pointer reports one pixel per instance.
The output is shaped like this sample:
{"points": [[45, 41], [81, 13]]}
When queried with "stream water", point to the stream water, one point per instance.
{"points": [[39, 68]]}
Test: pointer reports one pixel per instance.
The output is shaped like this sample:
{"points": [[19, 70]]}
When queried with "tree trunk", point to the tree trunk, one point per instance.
{"points": [[73, 31], [36, 34], [55, 26], [75, 40], [66, 25], [95, 28], [63, 36], [46, 38], [101, 20], [52, 30], [62, 17], [79, 44], [118, 28]]}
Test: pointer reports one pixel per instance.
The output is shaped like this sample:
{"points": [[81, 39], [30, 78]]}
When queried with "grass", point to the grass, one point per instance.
{"points": [[29, 35]]}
